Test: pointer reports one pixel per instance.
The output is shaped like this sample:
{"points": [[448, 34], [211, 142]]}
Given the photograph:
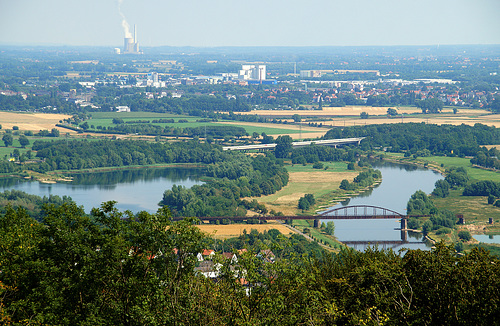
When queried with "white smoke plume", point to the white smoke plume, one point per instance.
{"points": [[125, 25]]}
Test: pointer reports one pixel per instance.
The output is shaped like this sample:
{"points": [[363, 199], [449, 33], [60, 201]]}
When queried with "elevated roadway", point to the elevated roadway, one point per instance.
{"points": [[323, 142]]}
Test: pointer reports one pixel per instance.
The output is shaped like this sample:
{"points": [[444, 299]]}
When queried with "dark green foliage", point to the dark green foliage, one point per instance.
{"points": [[110, 268], [32, 204], [491, 199], [442, 189], [464, 235], [156, 130], [456, 177], [392, 112], [283, 146], [318, 165], [431, 105], [413, 223], [23, 141], [306, 202], [72, 155], [483, 188], [351, 166], [8, 140], [238, 176], [420, 203], [344, 184], [444, 139], [315, 153], [364, 115]]}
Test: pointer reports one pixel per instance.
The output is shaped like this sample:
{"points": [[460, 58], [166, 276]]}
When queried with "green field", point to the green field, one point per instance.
{"points": [[474, 208], [136, 115], [332, 167], [474, 173], [105, 119]]}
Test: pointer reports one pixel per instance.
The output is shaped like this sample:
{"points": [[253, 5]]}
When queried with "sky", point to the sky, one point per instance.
{"points": [[211, 23]]}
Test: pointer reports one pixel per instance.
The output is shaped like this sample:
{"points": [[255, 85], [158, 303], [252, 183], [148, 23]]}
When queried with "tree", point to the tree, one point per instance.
{"points": [[24, 141], [491, 199], [283, 146], [392, 112], [318, 165], [296, 118], [306, 202], [330, 228], [364, 115], [430, 105], [464, 235], [442, 189], [8, 140], [344, 184]]}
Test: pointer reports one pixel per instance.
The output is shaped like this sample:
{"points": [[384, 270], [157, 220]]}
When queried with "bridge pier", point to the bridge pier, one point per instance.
{"points": [[316, 223], [404, 235], [404, 222]]}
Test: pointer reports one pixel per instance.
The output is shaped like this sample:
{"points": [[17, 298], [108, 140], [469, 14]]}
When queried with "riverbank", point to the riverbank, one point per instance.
{"points": [[61, 175]]}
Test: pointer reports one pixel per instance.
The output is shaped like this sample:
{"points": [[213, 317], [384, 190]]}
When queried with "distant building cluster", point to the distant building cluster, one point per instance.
{"points": [[252, 72], [320, 73]]}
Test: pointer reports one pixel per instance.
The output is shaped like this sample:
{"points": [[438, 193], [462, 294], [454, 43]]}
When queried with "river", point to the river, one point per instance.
{"points": [[134, 189], [399, 182], [142, 189]]}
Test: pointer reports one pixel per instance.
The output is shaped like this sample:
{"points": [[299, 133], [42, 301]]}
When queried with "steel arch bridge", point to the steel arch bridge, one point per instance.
{"points": [[361, 212]]}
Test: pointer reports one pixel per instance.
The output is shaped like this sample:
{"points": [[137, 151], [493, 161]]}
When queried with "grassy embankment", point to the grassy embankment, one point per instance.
{"points": [[475, 209], [323, 184]]}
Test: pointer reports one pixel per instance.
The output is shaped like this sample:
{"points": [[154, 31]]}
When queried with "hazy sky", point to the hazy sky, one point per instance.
{"points": [[251, 23]]}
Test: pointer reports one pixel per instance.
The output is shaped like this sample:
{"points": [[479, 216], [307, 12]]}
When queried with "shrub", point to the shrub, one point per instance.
{"points": [[318, 165], [464, 235]]}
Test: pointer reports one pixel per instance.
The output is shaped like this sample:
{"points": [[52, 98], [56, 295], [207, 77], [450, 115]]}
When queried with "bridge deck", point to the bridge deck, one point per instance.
{"points": [[305, 217], [324, 142]]}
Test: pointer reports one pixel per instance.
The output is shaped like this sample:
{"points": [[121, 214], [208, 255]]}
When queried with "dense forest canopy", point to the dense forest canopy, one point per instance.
{"points": [[459, 140], [111, 268]]}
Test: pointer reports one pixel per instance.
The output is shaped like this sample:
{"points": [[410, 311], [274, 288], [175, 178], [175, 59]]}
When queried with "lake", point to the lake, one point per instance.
{"points": [[133, 189]]}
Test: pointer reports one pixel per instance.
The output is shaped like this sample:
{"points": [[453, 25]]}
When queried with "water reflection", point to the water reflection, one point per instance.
{"points": [[491, 238], [135, 189], [399, 182]]}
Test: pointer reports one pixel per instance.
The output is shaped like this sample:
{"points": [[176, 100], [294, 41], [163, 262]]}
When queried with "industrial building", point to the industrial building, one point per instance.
{"points": [[131, 45], [252, 72]]}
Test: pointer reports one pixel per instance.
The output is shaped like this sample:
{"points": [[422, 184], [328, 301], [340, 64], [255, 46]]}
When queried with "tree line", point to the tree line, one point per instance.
{"points": [[110, 268], [232, 179], [447, 140]]}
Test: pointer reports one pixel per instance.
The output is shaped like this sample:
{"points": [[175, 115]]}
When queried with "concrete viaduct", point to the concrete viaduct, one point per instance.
{"points": [[323, 142]]}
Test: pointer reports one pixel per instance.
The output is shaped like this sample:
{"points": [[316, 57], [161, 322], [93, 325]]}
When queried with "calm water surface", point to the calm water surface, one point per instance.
{"points": [[134, 189], [487, 238], [142, 189], [399, 182]]}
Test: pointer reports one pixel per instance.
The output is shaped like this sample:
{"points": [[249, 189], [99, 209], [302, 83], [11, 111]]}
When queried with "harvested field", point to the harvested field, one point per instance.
{"points": [[235, 230], [32, 121], [301, 183], [333, 111], [273, 126]]}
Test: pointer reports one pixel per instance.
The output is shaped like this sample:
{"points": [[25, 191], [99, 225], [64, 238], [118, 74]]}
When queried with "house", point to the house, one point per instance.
{"points": [[267, 255], [230, 256]]}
